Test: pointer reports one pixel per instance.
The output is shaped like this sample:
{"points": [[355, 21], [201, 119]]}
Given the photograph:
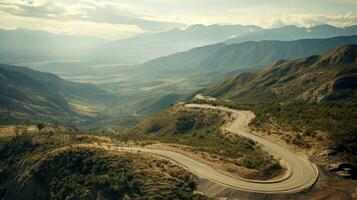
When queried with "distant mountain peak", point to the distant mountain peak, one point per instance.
{"points": [[324, 26], [196, 26], [218, 26], [290, 27], [292, 32]]}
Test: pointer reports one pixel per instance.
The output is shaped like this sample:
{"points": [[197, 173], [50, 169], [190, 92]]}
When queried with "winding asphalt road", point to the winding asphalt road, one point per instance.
{"points": [[301, 173]]}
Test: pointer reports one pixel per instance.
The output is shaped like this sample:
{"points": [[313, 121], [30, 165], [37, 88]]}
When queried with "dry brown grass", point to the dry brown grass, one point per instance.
{"points": [[13, 130]]}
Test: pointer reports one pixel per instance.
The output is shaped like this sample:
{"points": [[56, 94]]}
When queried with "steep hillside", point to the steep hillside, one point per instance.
{"points": [[222, 58], [185, 60], [286, 33], [331, 76], [309, 102], [28, 95]]}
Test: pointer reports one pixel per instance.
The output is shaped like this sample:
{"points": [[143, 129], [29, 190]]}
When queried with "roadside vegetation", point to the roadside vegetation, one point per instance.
{"points": [[38, 167], [200, 129], [337, 120]]}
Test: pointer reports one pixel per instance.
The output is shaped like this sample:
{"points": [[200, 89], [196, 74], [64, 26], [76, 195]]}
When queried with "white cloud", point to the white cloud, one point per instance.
{"points": [[74, 27], [86, 10], [120, 19], [41, 8], [308, 20]]}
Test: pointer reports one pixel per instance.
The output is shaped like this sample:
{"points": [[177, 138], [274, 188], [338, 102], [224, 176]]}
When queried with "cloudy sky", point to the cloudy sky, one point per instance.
{"points": [[117, 19]]}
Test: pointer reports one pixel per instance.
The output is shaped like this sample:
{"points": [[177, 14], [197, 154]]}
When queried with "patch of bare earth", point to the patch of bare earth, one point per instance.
{"points": [[329, 186]]}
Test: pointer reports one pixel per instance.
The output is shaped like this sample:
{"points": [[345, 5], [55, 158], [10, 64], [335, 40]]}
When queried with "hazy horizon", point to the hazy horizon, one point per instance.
{"points": [[115, 20]]}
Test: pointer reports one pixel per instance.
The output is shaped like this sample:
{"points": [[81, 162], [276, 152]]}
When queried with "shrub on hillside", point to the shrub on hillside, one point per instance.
{"points": [[184, 123]]}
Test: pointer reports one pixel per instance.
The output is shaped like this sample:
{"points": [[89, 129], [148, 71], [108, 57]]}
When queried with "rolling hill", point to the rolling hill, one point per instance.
{"points": [[27, 95], [328, 77]]}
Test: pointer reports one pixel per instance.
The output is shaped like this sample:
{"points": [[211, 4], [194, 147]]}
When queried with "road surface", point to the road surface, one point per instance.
{"points": [[301, 173]]}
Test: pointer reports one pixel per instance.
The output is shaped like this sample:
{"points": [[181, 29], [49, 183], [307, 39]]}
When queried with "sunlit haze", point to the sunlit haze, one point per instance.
{"points": [[115, 19]]}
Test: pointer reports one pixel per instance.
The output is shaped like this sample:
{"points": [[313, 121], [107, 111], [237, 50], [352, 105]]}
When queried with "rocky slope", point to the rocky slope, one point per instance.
{"points": [[328, 77]]}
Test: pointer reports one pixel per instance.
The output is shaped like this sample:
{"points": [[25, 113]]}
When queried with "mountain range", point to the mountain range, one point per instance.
{"points": [[222, 58], [26, 92], [27, 46], [188, 72], [152, 45], [291, 32]]}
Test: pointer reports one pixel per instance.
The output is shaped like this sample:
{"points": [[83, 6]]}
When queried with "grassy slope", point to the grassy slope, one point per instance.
{"points": [[200, 130], [306, 119]]}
